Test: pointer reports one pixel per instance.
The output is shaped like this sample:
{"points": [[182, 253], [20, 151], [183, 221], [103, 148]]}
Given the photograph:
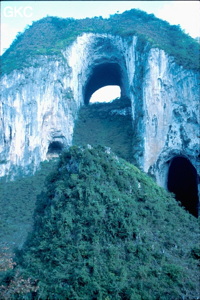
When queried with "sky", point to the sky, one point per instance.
{"points": [[16, 15], [106, 94]]}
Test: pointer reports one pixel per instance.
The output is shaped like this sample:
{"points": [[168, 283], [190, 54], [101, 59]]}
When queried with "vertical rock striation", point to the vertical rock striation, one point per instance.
{"points": [[39, 104], [37, 107], [171, 106]]}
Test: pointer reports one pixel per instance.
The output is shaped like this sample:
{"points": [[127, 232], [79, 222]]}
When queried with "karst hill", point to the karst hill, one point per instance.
{"points": [[52, 69], [74, 174], [105, 230], [50, 35]]}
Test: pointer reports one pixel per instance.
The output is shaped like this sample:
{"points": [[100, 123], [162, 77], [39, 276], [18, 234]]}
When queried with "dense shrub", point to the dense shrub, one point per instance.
{"points": [[104, 230], [17, 204], [107, 124]]}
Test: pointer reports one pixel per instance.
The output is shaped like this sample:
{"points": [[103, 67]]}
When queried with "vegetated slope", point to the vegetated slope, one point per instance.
{"points": [[106, 124], [49, 36], [17, 204], [105, 230]]}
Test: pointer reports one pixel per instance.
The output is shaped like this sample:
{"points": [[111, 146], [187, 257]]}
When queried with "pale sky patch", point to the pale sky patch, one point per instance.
{"points": [[185, 13], [8, 36], [106, 94]]}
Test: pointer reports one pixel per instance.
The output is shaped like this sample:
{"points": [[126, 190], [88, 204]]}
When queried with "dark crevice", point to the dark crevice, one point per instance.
{"points": [[182, 181]]}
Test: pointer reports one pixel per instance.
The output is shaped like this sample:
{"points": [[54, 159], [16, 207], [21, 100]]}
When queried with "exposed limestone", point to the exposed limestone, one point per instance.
{"points": [[171, 106], [39, 104]]}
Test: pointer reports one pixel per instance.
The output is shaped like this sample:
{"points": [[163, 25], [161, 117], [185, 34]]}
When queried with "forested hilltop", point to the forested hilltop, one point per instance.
{"points": [[104, 230], [50, 35]]}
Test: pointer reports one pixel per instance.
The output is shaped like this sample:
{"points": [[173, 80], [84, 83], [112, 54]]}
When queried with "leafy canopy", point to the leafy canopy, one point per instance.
{"points": [[50, 35], [105, 230]]}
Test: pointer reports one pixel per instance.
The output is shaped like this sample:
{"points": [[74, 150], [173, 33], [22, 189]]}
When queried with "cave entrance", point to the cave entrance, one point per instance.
{"points": [[54, 149], [106, 94], [182, 181], [106, 74], [107, 124]]}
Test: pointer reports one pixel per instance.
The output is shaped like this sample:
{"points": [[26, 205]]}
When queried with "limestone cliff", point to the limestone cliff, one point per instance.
{"points": [[39, 103], [171, 114]]}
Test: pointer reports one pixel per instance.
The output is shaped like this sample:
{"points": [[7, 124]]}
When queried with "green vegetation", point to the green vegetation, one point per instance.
{"points": [[106, 124], [17, 203], [50, 35], [105, 230]]}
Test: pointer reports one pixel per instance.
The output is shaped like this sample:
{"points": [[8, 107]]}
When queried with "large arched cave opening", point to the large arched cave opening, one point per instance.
{"points": [[102, 75], [108, 124], [182, 181]]}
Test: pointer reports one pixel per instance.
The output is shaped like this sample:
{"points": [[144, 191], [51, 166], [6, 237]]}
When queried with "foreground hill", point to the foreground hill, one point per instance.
{"points": [[105, 230]]}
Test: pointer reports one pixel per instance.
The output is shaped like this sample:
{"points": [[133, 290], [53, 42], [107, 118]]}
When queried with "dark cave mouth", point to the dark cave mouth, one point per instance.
{"points": [[55, 148], [106, 74], [182, 181]]}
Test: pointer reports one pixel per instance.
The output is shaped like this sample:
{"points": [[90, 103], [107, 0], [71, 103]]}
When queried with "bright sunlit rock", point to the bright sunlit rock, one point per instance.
{"points": [[106, 94]]}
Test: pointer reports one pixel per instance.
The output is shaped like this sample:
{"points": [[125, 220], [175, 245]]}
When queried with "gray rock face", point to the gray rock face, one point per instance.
{"points": [[171, 106], [40, 104]]}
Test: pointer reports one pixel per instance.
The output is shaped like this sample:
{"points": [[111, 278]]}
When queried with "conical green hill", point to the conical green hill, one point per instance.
{"points": [[105, 230]]}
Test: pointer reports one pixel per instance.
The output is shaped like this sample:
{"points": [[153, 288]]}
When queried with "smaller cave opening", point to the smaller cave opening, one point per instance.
{"points": [[54, 149], [106, 94], [182, 181]]}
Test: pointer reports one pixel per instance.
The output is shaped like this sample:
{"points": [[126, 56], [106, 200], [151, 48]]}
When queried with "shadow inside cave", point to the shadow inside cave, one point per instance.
{"points": [[182, 181]]}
